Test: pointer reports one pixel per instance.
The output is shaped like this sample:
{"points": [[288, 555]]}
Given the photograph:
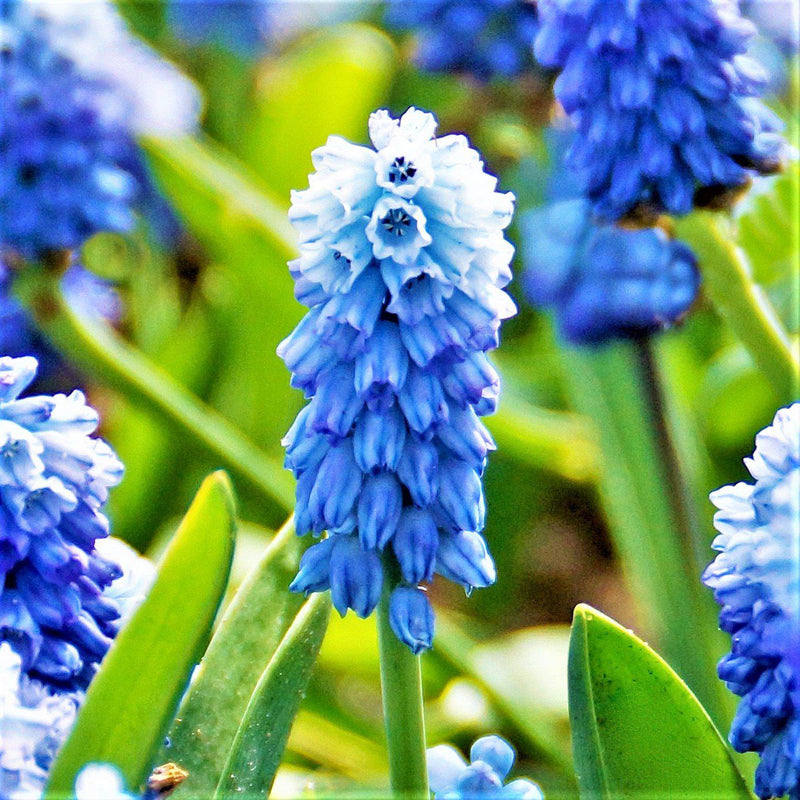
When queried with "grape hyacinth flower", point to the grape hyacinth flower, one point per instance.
{"points": [[602, 281], [54, 483], [34, 723], [756, 580], [663, 98], [484, 38], [402, 263], [491, 759], [71, 166]]}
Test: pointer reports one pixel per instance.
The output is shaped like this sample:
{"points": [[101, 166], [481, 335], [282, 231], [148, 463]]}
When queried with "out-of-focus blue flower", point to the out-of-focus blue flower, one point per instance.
{"points": [[602, 281], [402, 263], [70, 115], [778, 20], [756, 580], [101, 782], [663, 98], [87, 295], [491, 759], [34, 723], [485, 38], [54, 483]]}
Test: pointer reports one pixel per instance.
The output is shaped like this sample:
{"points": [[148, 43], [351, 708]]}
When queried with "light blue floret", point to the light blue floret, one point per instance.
{"points": [[756, 580], [403, 263], [491, 760], [663, 98]]}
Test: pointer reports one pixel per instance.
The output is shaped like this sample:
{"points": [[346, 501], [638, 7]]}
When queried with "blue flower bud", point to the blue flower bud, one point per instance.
{"points": [[356, 577], [495, 752], [379, 507], [411, 618], [461, 494], [463, 558], [418, 470], [378, 440], [416, 543], [315, 567]]}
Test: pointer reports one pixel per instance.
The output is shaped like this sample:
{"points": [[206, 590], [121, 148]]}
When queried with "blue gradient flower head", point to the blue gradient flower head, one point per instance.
{"points": [[34, 723], [402, 262], [602, 281], [54, 484], [756, 580], [70, 114], [663, 98], [491, 760], [484, 38]]}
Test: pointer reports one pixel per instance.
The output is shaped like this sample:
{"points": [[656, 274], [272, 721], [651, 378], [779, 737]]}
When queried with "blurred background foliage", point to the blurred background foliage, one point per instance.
{"points": [[207, 297]]}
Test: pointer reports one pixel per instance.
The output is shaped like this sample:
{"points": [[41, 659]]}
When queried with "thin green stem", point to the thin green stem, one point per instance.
{"points": [[401, 685], [741, 302], [103, 355]]}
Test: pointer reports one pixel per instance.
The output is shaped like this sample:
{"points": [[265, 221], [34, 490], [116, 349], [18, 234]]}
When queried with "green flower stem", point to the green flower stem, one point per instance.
{"points": [[728, 282], [647, 508], [401, 685], [96, 349]]}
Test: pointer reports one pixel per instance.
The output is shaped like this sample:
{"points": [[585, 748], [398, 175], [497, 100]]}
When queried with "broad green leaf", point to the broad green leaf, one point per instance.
{"points": [[246, 231], [131, 701], [637, 730], [346, 70], [264, 730], [246, 639], [648, 514]]}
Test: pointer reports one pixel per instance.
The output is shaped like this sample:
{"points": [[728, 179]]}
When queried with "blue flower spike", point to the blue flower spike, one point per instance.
{"points": [[54, 483], [71, 166], [402, 263], [604, 282], [491, 760], [665, 101], [484, 38], [756, 580]]}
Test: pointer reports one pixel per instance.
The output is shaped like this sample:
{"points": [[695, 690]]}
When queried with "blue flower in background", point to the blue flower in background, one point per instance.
{"points": [[491, 759], [402, 263], [662, 97], [54, 483], [756, 580], [70, 117], [34, 723], [604, 282], [485, 38], [86, 293]]}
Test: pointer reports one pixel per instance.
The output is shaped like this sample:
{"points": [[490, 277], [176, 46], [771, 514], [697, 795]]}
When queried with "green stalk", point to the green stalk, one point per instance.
{"points": [[104, 356], [650, 520], [403, 710], [741, 302]]}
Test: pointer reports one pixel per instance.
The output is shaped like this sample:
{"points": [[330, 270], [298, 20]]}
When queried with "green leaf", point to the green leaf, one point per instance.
{"points": [[264, 730], [637, 730], [247, 232], [131, 701], [346, 69], [247, 637]]}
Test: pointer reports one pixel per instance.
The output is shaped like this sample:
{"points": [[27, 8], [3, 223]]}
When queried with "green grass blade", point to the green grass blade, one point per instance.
{"points": [[131, 701], [246, 639], [637, 730], [264, 730]]}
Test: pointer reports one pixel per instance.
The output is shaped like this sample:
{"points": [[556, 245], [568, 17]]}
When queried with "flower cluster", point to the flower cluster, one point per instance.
{"points": [[70, 114], [756, 580], [492, 758], [485, 38], [664, 101], [54, 482], [402, 264], [604, 281], [34, 723]]}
